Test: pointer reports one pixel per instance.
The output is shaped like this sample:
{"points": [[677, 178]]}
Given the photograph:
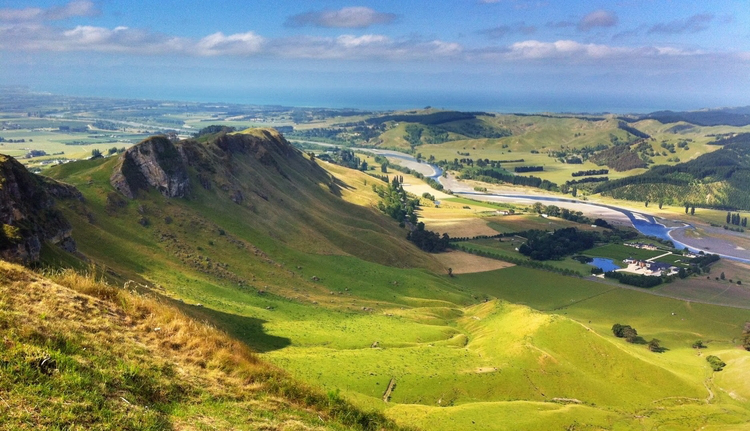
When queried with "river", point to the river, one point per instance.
{"points": [[647, 224]]}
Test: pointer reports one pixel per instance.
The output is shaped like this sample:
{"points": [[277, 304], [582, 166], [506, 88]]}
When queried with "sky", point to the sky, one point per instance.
{"points": [[505, 55]]}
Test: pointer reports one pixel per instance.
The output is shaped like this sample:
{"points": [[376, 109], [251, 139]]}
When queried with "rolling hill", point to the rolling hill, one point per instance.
{"points": [[289, 257], [720, 179]]}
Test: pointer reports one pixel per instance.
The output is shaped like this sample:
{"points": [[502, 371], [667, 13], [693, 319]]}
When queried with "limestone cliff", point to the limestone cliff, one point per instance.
{"points": [[156, 162], [28, 216]]}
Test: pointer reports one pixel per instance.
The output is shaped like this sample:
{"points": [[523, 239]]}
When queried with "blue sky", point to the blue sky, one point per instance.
{"points": [[610, 55]]}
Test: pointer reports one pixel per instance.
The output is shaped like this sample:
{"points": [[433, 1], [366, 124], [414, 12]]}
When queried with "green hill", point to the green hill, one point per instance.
{"points": [[80, 354], [720, 179], [288, 256]]}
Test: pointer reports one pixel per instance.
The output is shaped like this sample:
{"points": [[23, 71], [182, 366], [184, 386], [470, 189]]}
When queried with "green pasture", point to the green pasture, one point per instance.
{"points": [[507, 247], [343, 323], [619, 252]]}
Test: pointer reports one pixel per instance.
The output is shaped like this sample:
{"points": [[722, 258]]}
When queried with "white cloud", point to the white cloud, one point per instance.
{"points": [[533, 49], [72, 9], [348, 17], [235, 44], [369, 46]]}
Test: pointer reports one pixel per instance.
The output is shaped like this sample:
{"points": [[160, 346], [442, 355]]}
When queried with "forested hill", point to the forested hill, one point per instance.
{"points": [[711, 117], [720, 179]]}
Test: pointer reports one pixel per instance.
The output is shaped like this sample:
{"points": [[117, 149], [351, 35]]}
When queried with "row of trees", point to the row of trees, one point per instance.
{"points": [[521, 169], [395, 202], [631, 336], [590, 172], [638, 280], [736, 220], [427, 240], [489, 175]]}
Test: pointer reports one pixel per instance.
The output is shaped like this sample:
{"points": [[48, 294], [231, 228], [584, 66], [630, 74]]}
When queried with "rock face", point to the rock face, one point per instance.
{"points": [[162, 164], [156, 162], [28, 216]]}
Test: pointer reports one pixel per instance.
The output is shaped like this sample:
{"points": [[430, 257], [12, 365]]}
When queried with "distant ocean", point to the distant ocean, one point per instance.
{"points": [[383, 100]]}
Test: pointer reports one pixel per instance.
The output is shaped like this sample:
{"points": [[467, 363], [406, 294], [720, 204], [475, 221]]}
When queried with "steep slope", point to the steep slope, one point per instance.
{"points": [[255, 181], [28, 215], [118, 360]]}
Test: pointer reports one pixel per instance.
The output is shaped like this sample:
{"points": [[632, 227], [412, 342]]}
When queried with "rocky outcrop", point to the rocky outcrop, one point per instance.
{"points": [[28, 216], [162, 164], [156, 162]]}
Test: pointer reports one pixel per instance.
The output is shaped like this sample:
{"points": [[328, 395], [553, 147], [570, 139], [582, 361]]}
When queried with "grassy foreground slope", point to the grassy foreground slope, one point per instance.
{"points": [[84, 355], [278, 274]]}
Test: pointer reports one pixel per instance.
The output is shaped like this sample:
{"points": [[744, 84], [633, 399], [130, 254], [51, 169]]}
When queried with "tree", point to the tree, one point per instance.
{"points": [[96, 154], [729, 218], [654, 345], [630, 334], [716, 363], [660, 204], [699, 345], [450, 272], [625, 331], [721, 276], [364, 166], [384, 168], [692, 210]]}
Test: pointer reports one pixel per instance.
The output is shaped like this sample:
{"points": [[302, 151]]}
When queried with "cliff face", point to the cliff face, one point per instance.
{"points": [[28, 216], [223, 160], [156, 162]]}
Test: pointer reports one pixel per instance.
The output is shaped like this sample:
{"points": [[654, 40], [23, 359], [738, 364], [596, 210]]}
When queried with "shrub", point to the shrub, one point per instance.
{"points": [[716, 363]]}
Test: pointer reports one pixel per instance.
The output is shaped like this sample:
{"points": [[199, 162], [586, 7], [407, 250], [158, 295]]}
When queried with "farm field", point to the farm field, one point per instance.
{"points": [[621, 252]]}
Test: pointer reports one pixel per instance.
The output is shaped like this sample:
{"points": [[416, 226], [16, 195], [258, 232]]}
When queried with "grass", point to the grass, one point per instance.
{"points": [[296, 290], [507, 248], [619, 252], [119, 360]]}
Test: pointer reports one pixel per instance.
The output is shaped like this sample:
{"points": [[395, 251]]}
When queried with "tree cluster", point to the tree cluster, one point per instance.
{"points": [[489, 175], [429, 241], [730, 165], [638, 280], [590, 172], [521, 169], [395, 202], [542, 245], [716, 363], [619, 157], [625, 331], [736, 219], [746, 336]]}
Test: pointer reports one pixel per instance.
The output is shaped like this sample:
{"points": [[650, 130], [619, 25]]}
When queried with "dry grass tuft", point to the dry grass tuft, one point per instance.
{"points": [[130, 360]]}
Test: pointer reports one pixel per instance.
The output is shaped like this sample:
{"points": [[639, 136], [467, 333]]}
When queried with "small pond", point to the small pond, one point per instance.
{"points": [[605, 265]]}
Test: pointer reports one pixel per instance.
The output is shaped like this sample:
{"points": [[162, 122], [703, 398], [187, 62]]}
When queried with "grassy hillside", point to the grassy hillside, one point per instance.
{"points": [[719, 179], [80, 354], [306, 273]]}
